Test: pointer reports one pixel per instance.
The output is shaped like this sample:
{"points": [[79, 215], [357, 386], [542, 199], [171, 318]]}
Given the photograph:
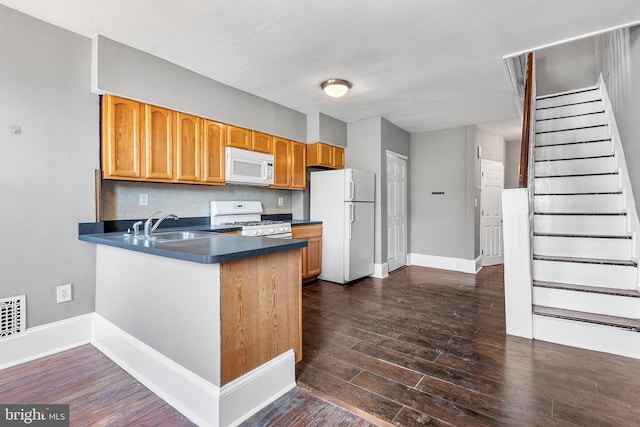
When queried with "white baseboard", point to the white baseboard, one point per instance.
{"points": [[444, 263], [380, 271], [478, 263], [196, 398], [45, 340], [243, 397]]}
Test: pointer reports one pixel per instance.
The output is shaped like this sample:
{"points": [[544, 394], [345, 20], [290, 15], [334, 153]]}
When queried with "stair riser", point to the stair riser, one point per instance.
{"points": [[589, 203], [589, 302], [610, 225], [570, 122], [578, 135], [586, 335], [573, 98], [578, 166], [573, 151], [582, 247], [569, 110], [599, 275], [578, 184]]}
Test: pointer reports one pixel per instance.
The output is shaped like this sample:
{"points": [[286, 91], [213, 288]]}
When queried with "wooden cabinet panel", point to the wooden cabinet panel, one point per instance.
{"points": [[261, 142], [298, 165], [158, 143], [188, 150], [214, 141], [325, 155], [121, 143], [238, 137], [312, 254], [260, 319], [338, 157], [282, 163]]}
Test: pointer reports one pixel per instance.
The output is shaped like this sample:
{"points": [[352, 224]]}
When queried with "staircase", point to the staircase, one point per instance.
{"points": [[585, 265]]}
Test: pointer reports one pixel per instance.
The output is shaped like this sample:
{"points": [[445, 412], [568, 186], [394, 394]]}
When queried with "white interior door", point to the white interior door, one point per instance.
{"points": [[491, 183], [396, 210]]}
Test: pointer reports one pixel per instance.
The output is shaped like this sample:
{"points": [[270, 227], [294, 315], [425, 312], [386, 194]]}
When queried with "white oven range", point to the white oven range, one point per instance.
{"points": [[247, 214]]}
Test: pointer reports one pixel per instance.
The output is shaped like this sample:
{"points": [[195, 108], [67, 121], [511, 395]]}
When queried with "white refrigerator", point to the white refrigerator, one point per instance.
{"points": [[344, 201]]}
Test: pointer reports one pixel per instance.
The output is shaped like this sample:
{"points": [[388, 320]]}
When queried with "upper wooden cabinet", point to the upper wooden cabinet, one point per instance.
{"points": [[298, 165], [238, 137], [188, 148], [261, 142], [213, 145], [158, 143], [121, 142], [325, 155], [290, 164]]}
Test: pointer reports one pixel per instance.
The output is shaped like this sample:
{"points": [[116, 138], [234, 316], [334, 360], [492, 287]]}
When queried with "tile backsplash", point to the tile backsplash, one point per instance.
{"points": [[120, 199]]}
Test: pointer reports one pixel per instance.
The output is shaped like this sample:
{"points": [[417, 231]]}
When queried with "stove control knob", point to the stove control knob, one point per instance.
{"points": [[255, 232], [271, 230], [259, 232]]}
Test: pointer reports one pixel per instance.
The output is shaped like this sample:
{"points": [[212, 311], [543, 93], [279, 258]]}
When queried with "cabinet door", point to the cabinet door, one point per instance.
{"points": [[213, 152], [188, 150], [238, 137], [314, 256], [158, 143], [261, 142], [121, 146], [298, 165], [304, 254], [325, 155], [338, 157], [281, 160]]}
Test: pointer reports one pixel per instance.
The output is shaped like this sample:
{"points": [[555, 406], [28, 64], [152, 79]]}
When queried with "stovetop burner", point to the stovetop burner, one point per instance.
{"points": [[253, 223]]}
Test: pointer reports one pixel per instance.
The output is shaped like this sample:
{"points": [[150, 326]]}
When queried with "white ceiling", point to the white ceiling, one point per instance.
{"points": [[421, 64]]}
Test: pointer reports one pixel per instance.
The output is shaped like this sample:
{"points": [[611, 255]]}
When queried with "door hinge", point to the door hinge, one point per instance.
{"points": [[481, 251]]}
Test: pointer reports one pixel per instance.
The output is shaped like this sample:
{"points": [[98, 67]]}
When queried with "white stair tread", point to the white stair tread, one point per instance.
{"points": [[579, 203], [580, 316], [626, 263], [569, 110], [590, 289], [570, 122], [567, 98], [571, 150]]}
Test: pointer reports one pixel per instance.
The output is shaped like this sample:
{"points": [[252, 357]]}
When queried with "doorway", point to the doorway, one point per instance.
{"points": [[396, 210], [491, 184]]}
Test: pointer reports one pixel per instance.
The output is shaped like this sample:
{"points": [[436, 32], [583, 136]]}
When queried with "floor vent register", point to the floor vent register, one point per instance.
{"points": [[12, 316]]}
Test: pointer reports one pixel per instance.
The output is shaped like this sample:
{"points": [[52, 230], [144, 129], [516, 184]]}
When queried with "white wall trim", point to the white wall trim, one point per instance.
{"points": [[45, 340], [380, 271], [244, 396], [398, 155], [444, 263], [190, 394], [478, 262]]}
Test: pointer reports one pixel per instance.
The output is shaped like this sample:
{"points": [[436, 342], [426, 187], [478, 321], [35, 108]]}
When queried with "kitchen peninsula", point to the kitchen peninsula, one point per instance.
{"points": [[212, 325]]}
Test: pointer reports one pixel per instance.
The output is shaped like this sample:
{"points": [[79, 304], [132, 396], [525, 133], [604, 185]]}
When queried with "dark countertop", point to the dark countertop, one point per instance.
{"points": [[223, 247], [295, 222]]}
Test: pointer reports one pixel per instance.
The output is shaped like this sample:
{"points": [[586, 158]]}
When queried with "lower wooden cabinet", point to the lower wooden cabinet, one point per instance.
{"points": [[312, 254]]}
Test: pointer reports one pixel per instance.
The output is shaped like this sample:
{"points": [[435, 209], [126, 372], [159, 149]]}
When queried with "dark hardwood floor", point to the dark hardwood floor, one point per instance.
{"points": [[427, 347], [421, 347]]}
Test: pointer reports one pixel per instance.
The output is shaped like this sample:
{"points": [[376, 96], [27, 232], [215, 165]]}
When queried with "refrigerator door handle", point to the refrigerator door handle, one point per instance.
{"points": [[351, 218], [352, 190]]}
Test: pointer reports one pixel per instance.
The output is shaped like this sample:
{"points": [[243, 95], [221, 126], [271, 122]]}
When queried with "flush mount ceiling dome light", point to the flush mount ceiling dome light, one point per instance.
{"points": [[335, 87]]}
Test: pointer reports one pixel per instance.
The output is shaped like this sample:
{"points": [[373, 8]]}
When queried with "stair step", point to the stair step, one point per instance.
{"points": [[569, 123], [589, 289], [580, 183], [578, 203], [568, 98], [573, 150], [580, 316], [615, 274], [585, 134], [589, 165], [569, 110], [582, 246], [611, 224]]}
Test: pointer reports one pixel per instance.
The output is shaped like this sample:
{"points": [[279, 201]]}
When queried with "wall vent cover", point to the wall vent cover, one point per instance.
{"points": [[12, 316]]}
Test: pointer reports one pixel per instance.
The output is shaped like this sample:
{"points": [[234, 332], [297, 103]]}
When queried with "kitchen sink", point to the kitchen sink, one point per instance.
{"points": [[178, 236]]}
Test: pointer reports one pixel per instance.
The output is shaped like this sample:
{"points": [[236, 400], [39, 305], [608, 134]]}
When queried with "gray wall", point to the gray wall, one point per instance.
{"points": [[48, 171], [566, 66], [443, 225], [323, 128], [512, 161], [130, 73]]}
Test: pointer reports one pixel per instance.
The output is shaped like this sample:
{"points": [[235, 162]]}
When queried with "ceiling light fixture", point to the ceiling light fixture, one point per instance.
{"points": [[335, 87]]}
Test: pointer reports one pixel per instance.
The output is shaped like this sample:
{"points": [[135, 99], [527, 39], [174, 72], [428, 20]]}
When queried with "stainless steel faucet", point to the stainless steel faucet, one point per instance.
{"points": [[148, 229]]}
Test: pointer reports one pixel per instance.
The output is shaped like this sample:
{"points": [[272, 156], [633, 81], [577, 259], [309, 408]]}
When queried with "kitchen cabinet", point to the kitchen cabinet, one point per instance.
{"points": [[158, 143], [290, 170], [312, 254], [213, 144], [121, 140], [325, 155], [261, 142], [188, 150], [238, 137]]}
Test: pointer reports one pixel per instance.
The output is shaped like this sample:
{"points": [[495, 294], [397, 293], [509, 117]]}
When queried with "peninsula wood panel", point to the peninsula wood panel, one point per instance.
{"points": [[213, 152], [260, 309], [187, 142], [121, 143], [158, 143]]}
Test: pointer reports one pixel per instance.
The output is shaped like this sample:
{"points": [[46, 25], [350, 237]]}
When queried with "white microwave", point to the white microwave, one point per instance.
{"points": [[248, 167]]}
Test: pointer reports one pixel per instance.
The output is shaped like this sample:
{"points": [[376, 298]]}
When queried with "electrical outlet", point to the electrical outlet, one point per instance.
{"points": [[63, 293], [143, 199], [280, 201]]}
